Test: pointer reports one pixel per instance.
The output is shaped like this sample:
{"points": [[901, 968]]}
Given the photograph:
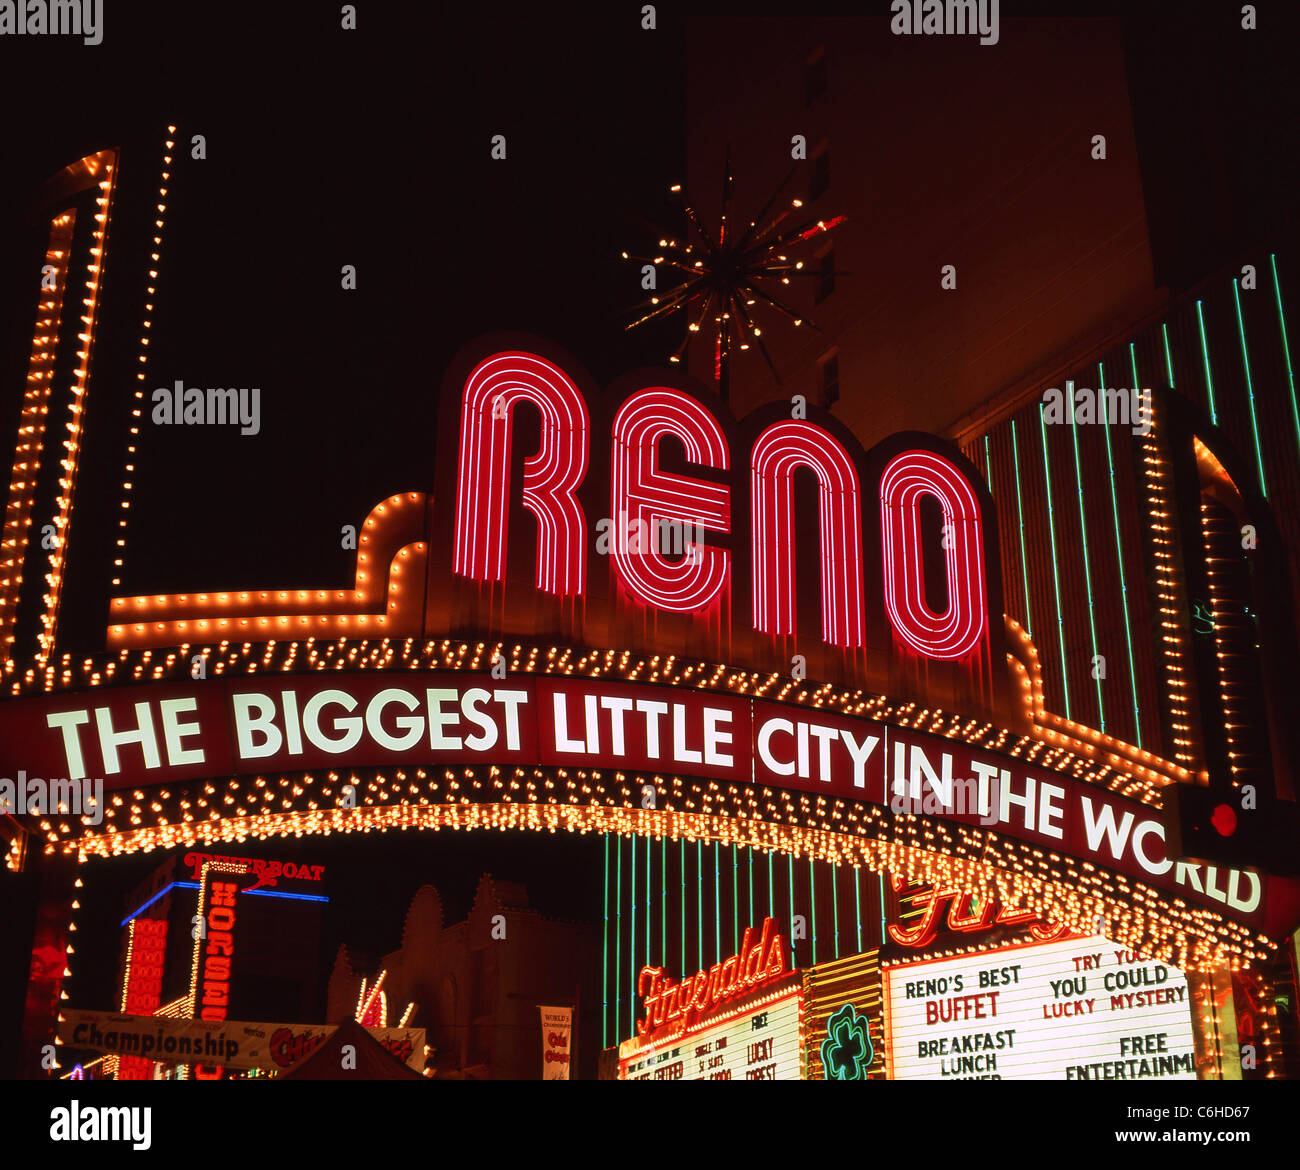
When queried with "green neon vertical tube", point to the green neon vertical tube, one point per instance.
{"points": [[857, 903], [1250, 390], [790, 859], [771, 884], [631, 934], [1119, 552], [1056, 579], [735, 898], [618, 940], [649, 900], [717, 903], [812, 905], [1020, 516], [663, 901], [1083, 533], [751, 885], [681, 906], [1205, 356], [835, 906], [699, 899], [604, 960], [1286, 347]]}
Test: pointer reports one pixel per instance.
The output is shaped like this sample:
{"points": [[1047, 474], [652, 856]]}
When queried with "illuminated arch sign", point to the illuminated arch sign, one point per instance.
{"points": [[177, 732], [648, 517]]}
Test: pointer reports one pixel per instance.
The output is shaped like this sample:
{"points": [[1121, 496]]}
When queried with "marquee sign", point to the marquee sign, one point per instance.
{"points": [[758, 1039], [172, 732], [1079, 1010]]}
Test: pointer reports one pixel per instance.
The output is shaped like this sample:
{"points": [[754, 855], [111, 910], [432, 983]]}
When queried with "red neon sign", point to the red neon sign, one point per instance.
{"points": [[497, 385], [961, 627], [669, 1003], [643, 494], [965, 916], [678, 598], [778, 451]]}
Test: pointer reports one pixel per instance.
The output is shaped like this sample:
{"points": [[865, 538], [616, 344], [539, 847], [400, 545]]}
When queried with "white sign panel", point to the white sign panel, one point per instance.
{"points": [[557, 1042], [755, 1043], [1086, 1009]]}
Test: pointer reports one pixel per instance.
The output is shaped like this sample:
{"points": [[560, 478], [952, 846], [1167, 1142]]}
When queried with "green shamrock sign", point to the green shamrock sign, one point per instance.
{"points": [[847, 1051]]}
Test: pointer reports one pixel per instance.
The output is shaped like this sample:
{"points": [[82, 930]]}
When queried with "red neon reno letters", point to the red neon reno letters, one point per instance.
{"points": [[777, 452], [642, 494], [956, 632], [551, 476], [645, 492]]}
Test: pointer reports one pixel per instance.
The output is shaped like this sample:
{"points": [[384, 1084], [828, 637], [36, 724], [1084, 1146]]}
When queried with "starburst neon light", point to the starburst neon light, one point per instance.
{"points": [[729, 272]]}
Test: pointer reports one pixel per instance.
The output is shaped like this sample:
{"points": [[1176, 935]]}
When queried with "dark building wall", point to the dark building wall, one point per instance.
{"points": [[937, 156]]}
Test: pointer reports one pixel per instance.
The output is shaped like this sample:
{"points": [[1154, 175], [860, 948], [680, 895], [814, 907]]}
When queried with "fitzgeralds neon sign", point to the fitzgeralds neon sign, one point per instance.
{"points": [[966, 916], [680, 1005]]}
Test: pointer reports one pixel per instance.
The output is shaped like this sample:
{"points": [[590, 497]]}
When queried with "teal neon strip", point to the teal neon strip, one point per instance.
{"points": [[1286, 348], [1250, 390], [682, 909], [1119, 551], [771, 884], [631, 937], [649, 901], [750, 849], [663, 904], [857, 903], [1020, 515], [812, 905], [988, 465], [717, 903], [618, 941], [735, 899], [604, 960], [1205, 354], [835, 906], [1056, 579], [699, 899], [1083, 532], [790, 859], [1169, 360]]}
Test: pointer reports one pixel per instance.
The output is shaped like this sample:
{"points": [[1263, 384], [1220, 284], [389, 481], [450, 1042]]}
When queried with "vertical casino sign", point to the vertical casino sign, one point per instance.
{"points": [[214, 948]]}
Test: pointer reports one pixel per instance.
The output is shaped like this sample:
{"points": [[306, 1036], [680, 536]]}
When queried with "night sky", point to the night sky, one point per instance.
{"points": [[371, 148]]}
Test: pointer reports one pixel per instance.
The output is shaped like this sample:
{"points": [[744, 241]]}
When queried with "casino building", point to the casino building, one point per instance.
{"points": [[964, 754]]}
